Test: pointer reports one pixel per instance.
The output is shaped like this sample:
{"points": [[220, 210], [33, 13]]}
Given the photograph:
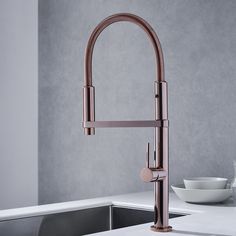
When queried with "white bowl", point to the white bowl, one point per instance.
{"points": [[205, 183], [202, 195]]}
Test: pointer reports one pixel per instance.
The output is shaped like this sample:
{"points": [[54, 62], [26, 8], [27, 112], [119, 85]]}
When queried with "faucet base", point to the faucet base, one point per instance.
{"points": [[161, 229]]}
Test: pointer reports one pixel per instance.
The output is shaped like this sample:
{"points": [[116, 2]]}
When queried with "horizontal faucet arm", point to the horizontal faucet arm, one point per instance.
{"points": [[125, 124]]}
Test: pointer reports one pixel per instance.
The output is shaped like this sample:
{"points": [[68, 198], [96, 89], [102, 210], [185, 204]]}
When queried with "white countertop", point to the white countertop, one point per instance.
{"points": [[217, 219]]}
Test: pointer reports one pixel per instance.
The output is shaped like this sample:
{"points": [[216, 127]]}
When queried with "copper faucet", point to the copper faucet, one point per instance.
{"points": [[158, 174]]}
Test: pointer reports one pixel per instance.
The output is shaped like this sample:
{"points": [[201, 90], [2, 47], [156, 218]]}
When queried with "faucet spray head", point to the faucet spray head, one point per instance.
{"points": [[89, 108]]}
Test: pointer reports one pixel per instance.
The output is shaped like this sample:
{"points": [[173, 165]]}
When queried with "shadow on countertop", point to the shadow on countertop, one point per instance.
{"points": [[182, 232]]}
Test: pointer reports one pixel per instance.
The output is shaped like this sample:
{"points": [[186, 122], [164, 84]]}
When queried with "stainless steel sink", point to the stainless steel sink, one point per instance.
{"points": [[80, 222], [124, 217], [94, 220]]}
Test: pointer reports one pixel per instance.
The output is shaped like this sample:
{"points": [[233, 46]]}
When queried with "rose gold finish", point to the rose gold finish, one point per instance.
{"points": [[89, 53], [161, 150], [89, 107], [116, 18], [152, 174], [161, 229], [158, 174], [125, 124]]}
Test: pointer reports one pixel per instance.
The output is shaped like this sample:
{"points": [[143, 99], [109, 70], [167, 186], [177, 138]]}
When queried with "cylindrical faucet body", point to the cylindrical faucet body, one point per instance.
{"points": [[161, 143]]}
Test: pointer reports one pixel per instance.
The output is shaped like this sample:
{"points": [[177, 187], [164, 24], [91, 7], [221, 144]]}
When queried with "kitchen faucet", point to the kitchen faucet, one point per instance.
{"points": [[158, 174]]}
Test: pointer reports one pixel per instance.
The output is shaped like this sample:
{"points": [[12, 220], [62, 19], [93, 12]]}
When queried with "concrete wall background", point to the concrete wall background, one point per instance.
{"points": [[199, 44], [19, 103]]}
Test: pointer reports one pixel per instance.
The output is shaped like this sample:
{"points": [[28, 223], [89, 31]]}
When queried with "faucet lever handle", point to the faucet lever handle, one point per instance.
{"points": [[148, 155], [151, 174]]}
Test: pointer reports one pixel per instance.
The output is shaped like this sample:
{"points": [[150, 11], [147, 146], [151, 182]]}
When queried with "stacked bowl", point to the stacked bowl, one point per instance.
{"points": [[203, 190]]}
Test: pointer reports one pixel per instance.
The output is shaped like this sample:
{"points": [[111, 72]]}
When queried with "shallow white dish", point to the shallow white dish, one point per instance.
{"points": [[201, 195], [205, 183]]}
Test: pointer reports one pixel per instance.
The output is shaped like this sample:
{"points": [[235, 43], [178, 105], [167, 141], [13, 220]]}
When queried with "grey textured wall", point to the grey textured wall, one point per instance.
{"points": [[199, 44], [18, 103]]}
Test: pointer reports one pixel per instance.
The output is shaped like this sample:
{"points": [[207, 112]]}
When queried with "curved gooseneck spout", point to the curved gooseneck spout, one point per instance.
{"points": [[117, 18], [89, 91], [157, 174]]}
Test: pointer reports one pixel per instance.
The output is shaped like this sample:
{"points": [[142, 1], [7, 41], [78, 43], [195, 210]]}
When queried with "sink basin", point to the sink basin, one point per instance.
{"points": [[79, 222], [124, 217], [94, 220]]}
